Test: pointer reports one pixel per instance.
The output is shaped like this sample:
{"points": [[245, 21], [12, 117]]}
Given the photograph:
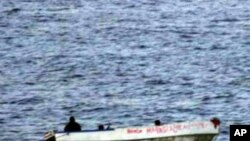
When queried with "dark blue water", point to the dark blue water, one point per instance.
{"points": [[125, 62]]}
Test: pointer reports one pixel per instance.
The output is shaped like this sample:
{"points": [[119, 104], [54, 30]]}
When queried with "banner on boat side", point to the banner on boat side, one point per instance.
{"points": [[239, 132]]}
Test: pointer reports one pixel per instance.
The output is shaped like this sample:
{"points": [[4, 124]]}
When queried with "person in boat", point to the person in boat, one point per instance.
{"points": [[157, 122], [72, 125], [100, 127]]}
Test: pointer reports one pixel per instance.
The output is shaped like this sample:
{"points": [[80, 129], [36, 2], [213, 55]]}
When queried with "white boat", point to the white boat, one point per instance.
{"points": [[185, 131]]}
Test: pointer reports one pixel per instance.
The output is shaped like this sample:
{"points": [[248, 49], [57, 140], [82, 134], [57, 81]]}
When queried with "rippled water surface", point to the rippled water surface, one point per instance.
{"points": [[127, 62]]}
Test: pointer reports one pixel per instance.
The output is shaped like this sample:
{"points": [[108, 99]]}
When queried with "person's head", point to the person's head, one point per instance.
{"points": [[72, 119], [157, 122]]}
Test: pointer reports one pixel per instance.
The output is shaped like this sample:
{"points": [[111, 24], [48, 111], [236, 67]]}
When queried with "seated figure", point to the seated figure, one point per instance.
{"points": [[157, 122], [101, 127], [72, 125]]}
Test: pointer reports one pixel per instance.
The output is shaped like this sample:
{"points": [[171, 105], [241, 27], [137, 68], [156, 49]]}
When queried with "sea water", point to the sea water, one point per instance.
{"points": [[124, 62]]}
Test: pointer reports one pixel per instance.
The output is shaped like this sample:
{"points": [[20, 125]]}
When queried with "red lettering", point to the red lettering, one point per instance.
{"points": [[134, 131]]}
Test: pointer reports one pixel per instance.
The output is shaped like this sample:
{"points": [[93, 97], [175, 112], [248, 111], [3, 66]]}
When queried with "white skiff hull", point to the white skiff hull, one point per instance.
{"points": [[188, 131]]}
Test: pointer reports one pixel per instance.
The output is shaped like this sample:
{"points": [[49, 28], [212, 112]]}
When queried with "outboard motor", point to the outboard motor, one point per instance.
{"points": [[50, 136], [215, 121]]}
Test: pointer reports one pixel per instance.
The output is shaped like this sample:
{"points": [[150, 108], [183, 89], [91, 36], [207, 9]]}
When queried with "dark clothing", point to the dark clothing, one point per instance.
{"points": [[72, 126], [100, 127]]}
